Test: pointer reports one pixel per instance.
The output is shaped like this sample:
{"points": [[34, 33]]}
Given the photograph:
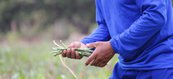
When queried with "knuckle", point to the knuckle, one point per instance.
{"points": [[73, 49], [68, 54], [64, 51]]}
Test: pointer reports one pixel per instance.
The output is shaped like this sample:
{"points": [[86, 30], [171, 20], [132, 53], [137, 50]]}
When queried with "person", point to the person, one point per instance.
{"points": [[140, 31]]}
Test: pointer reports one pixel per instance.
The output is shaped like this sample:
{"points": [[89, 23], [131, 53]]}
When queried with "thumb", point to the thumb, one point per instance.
{"points": [[92, 45]]}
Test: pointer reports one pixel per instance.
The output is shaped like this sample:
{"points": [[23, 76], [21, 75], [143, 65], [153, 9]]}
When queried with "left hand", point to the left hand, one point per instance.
{"points": [[102, 54]]}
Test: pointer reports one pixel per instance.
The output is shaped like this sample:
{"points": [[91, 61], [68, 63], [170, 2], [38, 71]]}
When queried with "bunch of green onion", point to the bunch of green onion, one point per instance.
{"points": [[58, 50]]}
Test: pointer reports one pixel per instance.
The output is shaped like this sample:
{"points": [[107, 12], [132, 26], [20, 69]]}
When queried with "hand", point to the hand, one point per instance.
{"points": [[71, 53], [102, 54]]}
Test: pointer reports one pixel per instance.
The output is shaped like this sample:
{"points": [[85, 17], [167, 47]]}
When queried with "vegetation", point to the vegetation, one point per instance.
{"points": [[41, 14], [35, 61]]}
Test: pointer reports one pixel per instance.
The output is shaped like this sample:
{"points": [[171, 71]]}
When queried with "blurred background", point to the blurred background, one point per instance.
{"points": [[27, 28]]}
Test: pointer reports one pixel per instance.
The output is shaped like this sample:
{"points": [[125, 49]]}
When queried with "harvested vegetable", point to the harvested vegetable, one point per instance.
{"points": [[61, 47]]}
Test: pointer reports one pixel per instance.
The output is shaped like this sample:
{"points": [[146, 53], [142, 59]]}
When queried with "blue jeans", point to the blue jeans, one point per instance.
{"points": [[120, 73]]}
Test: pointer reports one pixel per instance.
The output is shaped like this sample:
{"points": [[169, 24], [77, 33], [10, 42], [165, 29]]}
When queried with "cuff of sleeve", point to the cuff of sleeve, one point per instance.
{"points": [[114, 45]]}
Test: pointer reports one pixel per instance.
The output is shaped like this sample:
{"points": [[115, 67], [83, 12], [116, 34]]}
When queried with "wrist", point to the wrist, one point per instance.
{"points": [[109, 46], [113, 46]]}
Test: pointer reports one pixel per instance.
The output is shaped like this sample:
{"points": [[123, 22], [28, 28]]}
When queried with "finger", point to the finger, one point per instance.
{"points": [[96, 62], [92, 45], [73, 53], [98, 65], [78, 56], [90, 59], [68, 53], [102, 65], [103, 62], [64, 53], [92, 62]]}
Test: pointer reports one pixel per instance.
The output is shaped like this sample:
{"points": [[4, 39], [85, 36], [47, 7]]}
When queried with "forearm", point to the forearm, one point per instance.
{"points": [[100, 34]]}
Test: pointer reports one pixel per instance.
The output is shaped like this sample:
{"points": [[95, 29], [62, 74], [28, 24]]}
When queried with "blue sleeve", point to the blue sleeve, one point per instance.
{"points": [[101, 33], [153, 17]]}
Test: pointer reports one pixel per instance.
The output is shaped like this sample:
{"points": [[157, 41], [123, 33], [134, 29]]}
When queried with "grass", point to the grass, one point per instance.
{"points": [[34, 61]]}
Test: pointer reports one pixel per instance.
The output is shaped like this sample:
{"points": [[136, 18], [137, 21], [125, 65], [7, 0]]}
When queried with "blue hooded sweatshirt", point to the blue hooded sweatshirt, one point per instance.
{"points": [[140, 31]]}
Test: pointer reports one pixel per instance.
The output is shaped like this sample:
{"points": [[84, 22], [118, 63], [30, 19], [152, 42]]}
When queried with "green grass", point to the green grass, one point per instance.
{"points": [[34, 61]]}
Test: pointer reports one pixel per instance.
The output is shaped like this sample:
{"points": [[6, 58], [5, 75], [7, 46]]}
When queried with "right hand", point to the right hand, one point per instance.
{"points": [[71, 53]]}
